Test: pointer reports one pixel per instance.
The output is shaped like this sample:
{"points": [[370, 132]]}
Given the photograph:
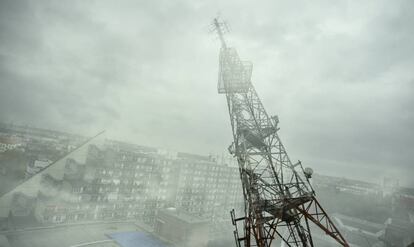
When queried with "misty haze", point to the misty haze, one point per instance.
{"points": [[206, 123]]}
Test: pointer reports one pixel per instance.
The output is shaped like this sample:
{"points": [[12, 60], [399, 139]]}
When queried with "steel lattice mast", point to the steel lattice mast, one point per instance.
{"points": [[279, 200]]}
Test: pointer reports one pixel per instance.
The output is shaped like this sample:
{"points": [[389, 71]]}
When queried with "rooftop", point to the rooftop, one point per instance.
{"points": [[172, 212], [136, 239]]}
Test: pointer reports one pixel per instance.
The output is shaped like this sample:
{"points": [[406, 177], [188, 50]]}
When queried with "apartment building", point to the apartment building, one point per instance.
{"points": [[120, 181]]}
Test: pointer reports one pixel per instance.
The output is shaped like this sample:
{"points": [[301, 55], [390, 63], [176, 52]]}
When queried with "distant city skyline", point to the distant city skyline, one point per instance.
{"points": [[225, 156]]}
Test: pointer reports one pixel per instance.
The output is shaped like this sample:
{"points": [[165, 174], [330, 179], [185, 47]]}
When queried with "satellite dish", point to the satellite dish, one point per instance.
{"points": [[308, 172]]}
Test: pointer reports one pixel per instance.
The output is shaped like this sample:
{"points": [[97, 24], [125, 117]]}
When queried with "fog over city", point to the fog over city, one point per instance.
{"points": [[338, 74], [112, 129]]}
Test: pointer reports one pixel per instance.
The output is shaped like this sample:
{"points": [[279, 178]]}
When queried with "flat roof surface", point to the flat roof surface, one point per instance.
{"points": [[136, 239], [183, 216], [90, 235]]}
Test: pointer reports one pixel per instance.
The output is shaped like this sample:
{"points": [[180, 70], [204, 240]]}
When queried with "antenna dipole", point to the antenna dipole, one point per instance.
{"points": [[220, 27]]}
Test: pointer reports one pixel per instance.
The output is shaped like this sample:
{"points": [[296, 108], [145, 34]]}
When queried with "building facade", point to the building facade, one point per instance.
{"points": [[121, 181]]}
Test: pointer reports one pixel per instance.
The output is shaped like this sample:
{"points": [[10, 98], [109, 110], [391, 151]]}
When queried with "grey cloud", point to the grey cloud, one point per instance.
{"points": [[339, 74]]}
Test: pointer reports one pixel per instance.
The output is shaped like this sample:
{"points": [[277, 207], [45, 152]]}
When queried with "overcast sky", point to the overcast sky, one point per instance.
{"points": [[339, 74]]}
